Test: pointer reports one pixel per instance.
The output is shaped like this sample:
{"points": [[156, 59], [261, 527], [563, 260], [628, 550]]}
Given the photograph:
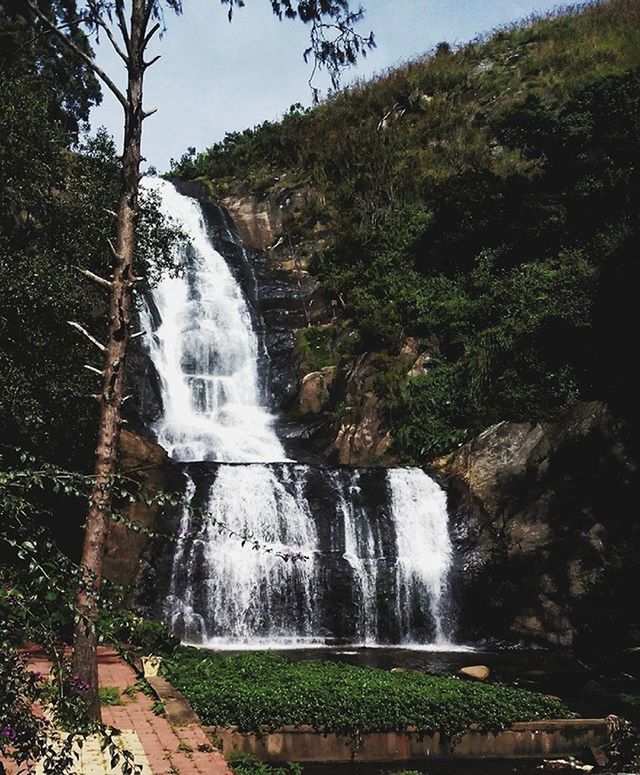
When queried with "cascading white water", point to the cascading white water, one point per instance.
{"points": [[206, 353], [423, 544], [362, 550], [249, 592], [381, 536]]}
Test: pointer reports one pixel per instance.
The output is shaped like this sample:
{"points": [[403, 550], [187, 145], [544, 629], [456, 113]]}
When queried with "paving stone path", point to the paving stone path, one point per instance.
{"points": [[160, 747]]}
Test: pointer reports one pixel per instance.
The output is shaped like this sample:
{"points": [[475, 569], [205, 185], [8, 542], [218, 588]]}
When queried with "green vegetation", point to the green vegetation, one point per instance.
{"points": [[483, 201], [246, 764], [38, 584], [317, 347], [109, 695], [263, 689], [143, 636]]}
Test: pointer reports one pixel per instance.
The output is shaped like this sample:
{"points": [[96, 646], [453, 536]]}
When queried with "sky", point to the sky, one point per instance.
{"points": [[215, 77]]}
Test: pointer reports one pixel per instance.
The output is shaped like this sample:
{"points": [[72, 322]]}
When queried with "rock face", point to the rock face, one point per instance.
{"points": [[542, 526], [364, 441], [124, 547], [362, 436], [260, 220], [143, 385]]}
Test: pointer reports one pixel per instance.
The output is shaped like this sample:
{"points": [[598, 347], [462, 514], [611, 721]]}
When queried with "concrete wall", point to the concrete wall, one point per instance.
{"points": [[522, 741]]}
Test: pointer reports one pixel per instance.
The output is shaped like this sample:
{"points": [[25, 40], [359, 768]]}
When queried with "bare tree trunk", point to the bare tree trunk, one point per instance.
{"points": [[118, 333]]}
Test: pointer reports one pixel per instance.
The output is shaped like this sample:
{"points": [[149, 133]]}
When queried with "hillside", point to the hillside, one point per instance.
{"points": [[481, 201]]}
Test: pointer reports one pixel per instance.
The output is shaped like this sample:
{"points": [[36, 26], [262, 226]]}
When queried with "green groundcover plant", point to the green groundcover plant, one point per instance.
{"points": [[260, 690], [247, 764]]}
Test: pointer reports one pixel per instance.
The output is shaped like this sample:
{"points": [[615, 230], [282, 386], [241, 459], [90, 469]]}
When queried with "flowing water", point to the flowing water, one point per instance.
{"points": [[205, 351], [375, 541]]}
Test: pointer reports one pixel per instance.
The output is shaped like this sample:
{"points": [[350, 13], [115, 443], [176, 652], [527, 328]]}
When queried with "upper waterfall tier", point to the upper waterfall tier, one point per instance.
{"points": [[206, 352]]}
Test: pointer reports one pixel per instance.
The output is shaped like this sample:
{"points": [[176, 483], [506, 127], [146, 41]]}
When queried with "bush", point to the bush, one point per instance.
{"points": [[145, 636], [317, 347]]}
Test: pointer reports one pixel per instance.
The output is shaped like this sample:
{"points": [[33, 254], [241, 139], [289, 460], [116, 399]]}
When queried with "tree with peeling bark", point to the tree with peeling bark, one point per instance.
{"points": [[129, 26]]}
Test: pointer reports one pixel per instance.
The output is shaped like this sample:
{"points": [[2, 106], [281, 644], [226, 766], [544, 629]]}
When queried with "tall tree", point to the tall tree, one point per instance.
{"points": [[130, 27]]}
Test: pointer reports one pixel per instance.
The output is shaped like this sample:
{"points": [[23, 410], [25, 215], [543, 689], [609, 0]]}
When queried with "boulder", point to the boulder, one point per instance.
{"points": [[362, 437], [314, 390], [475, 672], [364, 440]]}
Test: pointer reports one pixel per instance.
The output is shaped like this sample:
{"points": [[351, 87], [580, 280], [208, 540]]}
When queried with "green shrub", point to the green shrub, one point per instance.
{"points": [[145, 636], [317, 347], [247, 764], [423, 411], [263, 689]]}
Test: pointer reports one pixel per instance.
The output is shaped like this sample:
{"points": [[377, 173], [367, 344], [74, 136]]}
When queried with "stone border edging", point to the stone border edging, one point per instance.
{"points": [[177, 709], [523, 740]]}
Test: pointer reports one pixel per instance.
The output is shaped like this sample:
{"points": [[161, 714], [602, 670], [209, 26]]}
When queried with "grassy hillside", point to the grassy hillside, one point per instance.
{"points": [[483, 200]]}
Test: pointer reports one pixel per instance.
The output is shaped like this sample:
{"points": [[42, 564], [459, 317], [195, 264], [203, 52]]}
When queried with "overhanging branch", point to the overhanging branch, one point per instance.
{"points": [[113, 41]]}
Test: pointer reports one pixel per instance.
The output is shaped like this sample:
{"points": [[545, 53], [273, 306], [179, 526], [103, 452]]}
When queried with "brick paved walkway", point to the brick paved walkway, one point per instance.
{"points": [[163, 748]]}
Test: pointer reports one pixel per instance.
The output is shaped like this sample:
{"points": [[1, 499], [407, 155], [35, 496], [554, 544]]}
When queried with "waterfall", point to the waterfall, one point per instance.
{"points": [[375, 541], [206, 353]]}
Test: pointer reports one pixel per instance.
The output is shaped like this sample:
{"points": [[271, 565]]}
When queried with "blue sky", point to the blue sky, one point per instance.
{"points": [[215, 76]]}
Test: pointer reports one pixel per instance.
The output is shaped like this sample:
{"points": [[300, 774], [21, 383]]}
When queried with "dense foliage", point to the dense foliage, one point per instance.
{"points": [[263, 689], [484, 201], [54, 217], [29, 52]]}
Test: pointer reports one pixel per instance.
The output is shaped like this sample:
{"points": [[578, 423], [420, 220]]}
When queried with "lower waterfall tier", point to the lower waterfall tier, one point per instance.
{"points": [[375, 557]]}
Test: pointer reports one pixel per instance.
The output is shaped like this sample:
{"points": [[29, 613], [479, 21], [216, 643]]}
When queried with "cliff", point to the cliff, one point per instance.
{"points": [[545, 537]]}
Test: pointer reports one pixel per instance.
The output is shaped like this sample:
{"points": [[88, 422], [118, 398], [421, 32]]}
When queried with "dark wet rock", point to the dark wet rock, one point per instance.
{"points": [[543, 533], [304, 439], [140, 458], [144, 406], [337, 604], [281, 346]]}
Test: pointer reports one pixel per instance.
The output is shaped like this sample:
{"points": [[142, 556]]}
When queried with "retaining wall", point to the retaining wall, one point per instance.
{"points": [[524, 740]]}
